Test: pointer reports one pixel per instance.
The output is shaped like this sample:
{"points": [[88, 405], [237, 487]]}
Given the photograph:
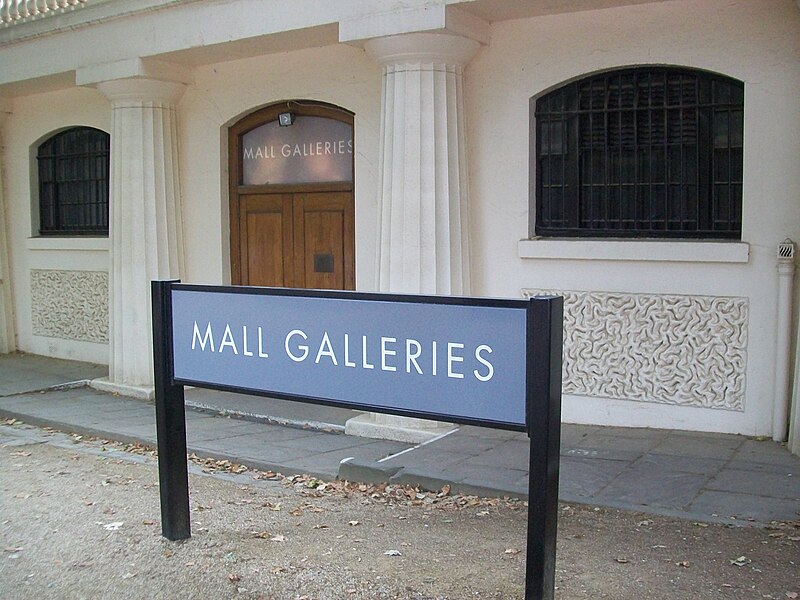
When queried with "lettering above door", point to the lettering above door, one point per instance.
{"points": [[311, 150]]}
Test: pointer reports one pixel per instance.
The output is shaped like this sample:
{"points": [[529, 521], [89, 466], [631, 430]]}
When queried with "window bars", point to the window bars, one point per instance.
{"points": [[73, 183], [641, 152]]}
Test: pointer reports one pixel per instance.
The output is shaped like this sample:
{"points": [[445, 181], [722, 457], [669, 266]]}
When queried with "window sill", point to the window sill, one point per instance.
{"points": [[641, 250], [68, 243]]}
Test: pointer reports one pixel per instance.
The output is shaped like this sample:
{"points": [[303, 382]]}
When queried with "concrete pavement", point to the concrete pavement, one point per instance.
{"points": [[700, 476]]}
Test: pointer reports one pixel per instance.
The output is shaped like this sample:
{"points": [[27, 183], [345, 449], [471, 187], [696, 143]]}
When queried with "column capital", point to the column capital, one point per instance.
{"points": [[454, 50], [136, 80], [140, 90]]}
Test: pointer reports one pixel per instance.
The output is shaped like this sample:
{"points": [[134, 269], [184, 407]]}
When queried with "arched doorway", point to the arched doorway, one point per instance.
{"points": [[291, 197]]}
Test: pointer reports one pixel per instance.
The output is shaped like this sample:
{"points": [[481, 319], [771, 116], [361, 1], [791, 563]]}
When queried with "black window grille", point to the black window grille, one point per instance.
{"points": [[73, 183], [641, 152]]}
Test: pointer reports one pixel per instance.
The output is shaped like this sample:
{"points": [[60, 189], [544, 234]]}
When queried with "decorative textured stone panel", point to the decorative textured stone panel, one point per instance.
{"points": [[683, 350], [71, 305]]}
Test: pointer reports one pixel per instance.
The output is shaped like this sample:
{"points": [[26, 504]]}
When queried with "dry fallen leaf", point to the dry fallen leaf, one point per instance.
{"points": [[278, 538], [393, 553], [353, 523], [233, 577], [622, 561], [683, 563]]}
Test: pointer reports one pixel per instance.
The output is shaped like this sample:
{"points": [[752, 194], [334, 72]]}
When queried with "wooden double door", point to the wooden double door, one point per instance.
{"points": [[294, 238]]}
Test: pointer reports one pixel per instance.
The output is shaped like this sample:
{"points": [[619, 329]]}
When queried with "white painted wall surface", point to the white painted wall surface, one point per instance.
{"points": [[33, 119], [756, 41]]}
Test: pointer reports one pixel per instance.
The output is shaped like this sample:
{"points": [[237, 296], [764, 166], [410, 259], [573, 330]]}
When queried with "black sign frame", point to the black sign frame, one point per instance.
{"points": [[544, 323]]}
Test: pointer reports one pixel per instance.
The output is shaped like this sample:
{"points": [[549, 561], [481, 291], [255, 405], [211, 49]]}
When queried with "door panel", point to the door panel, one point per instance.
{"points": [[265, 235], [323, 241], [297, 240]]}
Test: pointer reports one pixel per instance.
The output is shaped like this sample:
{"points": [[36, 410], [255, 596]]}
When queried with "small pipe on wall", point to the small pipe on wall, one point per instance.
{"points": [[780, 410]]}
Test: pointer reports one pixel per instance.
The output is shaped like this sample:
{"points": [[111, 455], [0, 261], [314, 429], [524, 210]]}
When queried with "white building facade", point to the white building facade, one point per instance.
{"points": [[638, 157]]}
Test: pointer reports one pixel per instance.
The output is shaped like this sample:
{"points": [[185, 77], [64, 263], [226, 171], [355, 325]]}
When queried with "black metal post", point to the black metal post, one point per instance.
{"points": [[173, 475], [544, 338]]}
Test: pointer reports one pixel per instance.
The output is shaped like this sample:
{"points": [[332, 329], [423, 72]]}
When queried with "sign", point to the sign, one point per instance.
{"points": [[365, 354], [311, 150], [485, 362]]}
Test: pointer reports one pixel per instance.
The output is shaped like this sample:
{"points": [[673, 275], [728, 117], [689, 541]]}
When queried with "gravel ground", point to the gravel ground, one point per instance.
{"points": [[80, 519]]}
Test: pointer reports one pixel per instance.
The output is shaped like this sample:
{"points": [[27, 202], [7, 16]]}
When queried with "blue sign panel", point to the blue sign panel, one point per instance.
{"points": [[464, 362]]}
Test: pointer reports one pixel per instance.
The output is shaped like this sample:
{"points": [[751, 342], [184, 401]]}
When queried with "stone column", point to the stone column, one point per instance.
{"points": [[424, 229], [145, 223], [7, 341]]}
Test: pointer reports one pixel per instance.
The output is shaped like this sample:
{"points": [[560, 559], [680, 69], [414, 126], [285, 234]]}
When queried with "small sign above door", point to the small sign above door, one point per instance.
{"points": [[310, 150]]}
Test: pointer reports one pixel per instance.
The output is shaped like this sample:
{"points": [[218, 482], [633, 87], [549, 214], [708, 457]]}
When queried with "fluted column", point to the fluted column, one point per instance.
{"points": [[424, 235], [424, 230], [7, 341], [145, 223]]}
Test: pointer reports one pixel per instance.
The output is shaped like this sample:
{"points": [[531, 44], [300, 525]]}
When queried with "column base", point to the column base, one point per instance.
{"points": [[398, 429], [103, 384]]}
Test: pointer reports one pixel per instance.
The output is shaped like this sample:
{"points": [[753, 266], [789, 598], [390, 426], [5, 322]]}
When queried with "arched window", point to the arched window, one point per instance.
{"points": [[73, 183], [640, 152]]}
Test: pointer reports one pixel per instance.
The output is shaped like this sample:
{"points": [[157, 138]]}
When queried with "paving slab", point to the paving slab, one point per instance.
{"points": [[781, 465], [682, 464], [492, 434], [432, 462], [208, 430], [642, 486], [326, 443], [620, 443], [585, 477], [694, 445], [757, 484], [512, 454], [766, 451], [472, 445], [575, 433], [626, 456], [20, 373], [745, 507], [274, 409]]}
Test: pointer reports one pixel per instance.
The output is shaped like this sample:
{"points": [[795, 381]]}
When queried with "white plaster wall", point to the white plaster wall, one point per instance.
{"points": [[756, 41], [33, 118], [223, 93]]}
